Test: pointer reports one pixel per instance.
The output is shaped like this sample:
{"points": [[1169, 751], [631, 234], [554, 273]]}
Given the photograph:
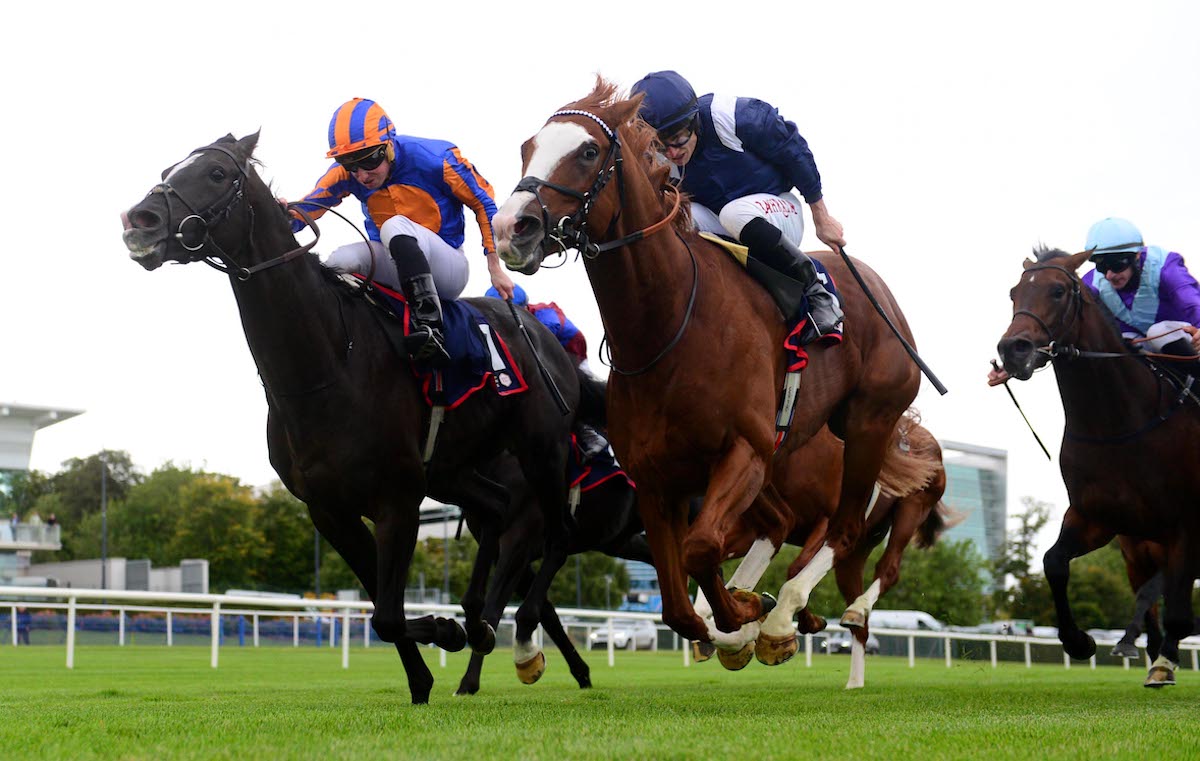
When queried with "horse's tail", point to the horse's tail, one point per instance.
{"points": [[913, 458], [593, 405]]}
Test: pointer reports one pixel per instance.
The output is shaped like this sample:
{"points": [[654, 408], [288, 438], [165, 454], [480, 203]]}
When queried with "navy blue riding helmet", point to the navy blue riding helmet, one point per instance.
{"points": [[669, 103]]}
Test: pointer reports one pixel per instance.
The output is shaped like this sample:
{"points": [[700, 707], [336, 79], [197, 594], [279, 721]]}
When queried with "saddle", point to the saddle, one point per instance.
{"points": [[479, 355]]}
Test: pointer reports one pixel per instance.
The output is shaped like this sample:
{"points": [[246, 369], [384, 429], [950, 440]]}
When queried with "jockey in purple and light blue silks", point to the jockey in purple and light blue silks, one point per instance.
{"points": [[739, 159], [1148, 289], [413, 192]]}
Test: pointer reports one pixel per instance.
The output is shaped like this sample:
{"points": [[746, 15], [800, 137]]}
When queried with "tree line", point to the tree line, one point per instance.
{"points": [[261, 538]]}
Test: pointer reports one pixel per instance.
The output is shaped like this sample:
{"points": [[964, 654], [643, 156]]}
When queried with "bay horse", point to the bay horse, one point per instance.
{"points": [[1130, 441], [606, 520], [346, 414], [698, 366]]}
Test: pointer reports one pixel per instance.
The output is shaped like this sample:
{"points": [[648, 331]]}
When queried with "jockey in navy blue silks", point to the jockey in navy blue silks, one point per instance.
{"points": [[739, 159]]}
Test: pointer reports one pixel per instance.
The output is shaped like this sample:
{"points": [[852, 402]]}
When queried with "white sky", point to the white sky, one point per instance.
{"points": [[951, 138]]}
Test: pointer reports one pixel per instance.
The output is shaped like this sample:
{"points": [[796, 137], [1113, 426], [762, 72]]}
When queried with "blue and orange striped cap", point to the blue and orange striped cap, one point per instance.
{"points": [[358, 124]]}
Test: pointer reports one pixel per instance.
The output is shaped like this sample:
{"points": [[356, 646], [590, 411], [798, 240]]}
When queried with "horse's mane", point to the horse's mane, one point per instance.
{"points": [[1043, 253], [639, 139]]}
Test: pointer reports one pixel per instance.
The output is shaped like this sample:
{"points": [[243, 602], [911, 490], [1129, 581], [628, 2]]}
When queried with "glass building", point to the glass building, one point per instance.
{"points": [[977, 487]]}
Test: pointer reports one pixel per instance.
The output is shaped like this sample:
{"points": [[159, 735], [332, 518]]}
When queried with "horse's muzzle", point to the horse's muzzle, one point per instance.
{"points": [[520, 241], [145, 238], [1020, 356]]}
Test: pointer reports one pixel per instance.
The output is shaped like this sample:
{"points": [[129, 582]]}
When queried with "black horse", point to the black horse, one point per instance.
{"points": [[347, 419], [1131, 439], [606, 520]]}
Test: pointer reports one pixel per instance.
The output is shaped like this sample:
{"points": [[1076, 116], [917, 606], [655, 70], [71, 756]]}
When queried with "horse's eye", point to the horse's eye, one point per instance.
{"points": [[217, 174], [591, 153], [1057, 292]]}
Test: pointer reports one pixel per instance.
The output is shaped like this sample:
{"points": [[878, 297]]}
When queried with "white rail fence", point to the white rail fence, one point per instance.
{"points": [[343, 615]]}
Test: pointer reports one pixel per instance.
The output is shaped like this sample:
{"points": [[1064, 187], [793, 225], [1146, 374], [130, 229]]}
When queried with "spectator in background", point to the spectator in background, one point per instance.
{"points": [[52, 520], [34, 519], [14, 521], [24, 624]]}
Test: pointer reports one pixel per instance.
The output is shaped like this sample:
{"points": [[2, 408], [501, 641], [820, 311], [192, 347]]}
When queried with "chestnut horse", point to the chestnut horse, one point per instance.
{"points": [[698, 366], [346, 416], [908, 507], [1130, 442]]}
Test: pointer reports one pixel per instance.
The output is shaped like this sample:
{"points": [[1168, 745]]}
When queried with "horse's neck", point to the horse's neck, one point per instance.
{"points": [[291, 319], [642, 289], [1104, 394]]}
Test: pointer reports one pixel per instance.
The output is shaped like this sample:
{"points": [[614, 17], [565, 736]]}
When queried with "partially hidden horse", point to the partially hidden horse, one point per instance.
{"points": [[1130, 441], [908, 507], [698, 366], [606, 520], [347, 419]]}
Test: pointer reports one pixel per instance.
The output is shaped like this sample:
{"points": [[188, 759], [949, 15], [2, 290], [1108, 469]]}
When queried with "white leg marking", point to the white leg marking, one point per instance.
{"points": [[794, 594], [753, 566], [703, 609], [874, 498], [858, 665], [732, 641], [523, 652], [866, 601]]}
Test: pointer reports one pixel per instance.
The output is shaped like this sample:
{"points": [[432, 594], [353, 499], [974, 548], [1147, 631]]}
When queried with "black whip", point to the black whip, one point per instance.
{"points": [[558, 398], [907, 347]]}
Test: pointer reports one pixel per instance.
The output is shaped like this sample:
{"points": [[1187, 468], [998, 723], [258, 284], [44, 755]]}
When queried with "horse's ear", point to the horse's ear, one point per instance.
{"points": [[248, 143], [1027, 263], [625, 111], [1075, 261]]}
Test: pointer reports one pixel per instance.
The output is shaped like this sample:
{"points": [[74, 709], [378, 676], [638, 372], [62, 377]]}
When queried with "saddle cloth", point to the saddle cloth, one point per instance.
{"points": [[479, 356], [788, 295], [588, 475]]}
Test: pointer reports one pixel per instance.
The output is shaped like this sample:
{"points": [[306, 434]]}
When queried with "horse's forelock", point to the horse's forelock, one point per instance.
{"points": [[1043, 253]]}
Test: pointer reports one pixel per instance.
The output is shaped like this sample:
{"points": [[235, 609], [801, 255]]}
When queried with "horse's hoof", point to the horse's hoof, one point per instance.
{"points": [[486, 643], [772, 651], [736, 661], [451, 636], [702, 651], [808, 622], [1162, 673], [1125, 650], [853, 619], [531, 670], [466, 690], [1079, 645]]}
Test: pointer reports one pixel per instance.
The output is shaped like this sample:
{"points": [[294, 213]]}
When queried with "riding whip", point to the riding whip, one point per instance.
{"points": [[1013, 396], [558, 398], [907, 347]]}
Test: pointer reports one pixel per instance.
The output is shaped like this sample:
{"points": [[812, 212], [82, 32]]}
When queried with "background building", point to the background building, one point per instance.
{"points": [[18, 424], [977, 487]]}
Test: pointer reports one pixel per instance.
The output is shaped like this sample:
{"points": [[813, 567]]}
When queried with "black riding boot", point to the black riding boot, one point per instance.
{"points": [[591, 442], [768, 245], [425, 342]]}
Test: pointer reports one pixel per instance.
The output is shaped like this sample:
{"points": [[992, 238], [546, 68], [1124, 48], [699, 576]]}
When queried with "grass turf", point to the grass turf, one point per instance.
{"points": [[155, 702]]}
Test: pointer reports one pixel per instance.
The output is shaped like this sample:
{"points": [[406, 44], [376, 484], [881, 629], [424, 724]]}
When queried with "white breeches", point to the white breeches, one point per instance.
{"points": [[448, 264]]}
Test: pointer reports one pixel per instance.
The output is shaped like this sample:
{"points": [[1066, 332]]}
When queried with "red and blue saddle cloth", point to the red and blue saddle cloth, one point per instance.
{"points": [[797, 355], [479, 355], [600, 469]]}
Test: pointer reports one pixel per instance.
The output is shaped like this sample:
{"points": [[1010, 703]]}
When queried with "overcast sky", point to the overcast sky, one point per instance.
{"points": [[951, 138]]}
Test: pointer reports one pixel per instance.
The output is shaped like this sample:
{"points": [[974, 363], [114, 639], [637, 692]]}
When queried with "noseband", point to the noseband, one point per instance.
{"points": [[194, 232]]}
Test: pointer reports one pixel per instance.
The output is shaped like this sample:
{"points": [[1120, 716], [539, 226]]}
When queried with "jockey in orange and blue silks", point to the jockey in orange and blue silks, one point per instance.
{"points": [[413, 192]]}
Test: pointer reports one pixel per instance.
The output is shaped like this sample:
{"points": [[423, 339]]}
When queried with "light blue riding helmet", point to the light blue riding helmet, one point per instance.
{"points": [[519, 296], [1113, 235]]}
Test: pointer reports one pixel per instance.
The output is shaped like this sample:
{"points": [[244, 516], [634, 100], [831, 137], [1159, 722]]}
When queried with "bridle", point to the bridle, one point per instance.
{"points": [[194, 231], [571, 231], [1053, 348]]}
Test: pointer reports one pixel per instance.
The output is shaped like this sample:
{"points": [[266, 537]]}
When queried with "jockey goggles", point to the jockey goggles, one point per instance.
{"points": [[1116, 264], [367, 161]]}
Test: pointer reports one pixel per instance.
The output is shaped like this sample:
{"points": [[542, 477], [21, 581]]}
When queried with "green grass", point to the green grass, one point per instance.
{"points": [[155, 702]]}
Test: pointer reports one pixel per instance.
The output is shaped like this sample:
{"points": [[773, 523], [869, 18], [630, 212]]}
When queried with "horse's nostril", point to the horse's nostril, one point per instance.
{"points": [[144, 219], [525, 226]]}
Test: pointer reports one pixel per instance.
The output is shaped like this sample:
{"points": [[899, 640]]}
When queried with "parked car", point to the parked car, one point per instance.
{"points": [[628, 633], [839, 642]]}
